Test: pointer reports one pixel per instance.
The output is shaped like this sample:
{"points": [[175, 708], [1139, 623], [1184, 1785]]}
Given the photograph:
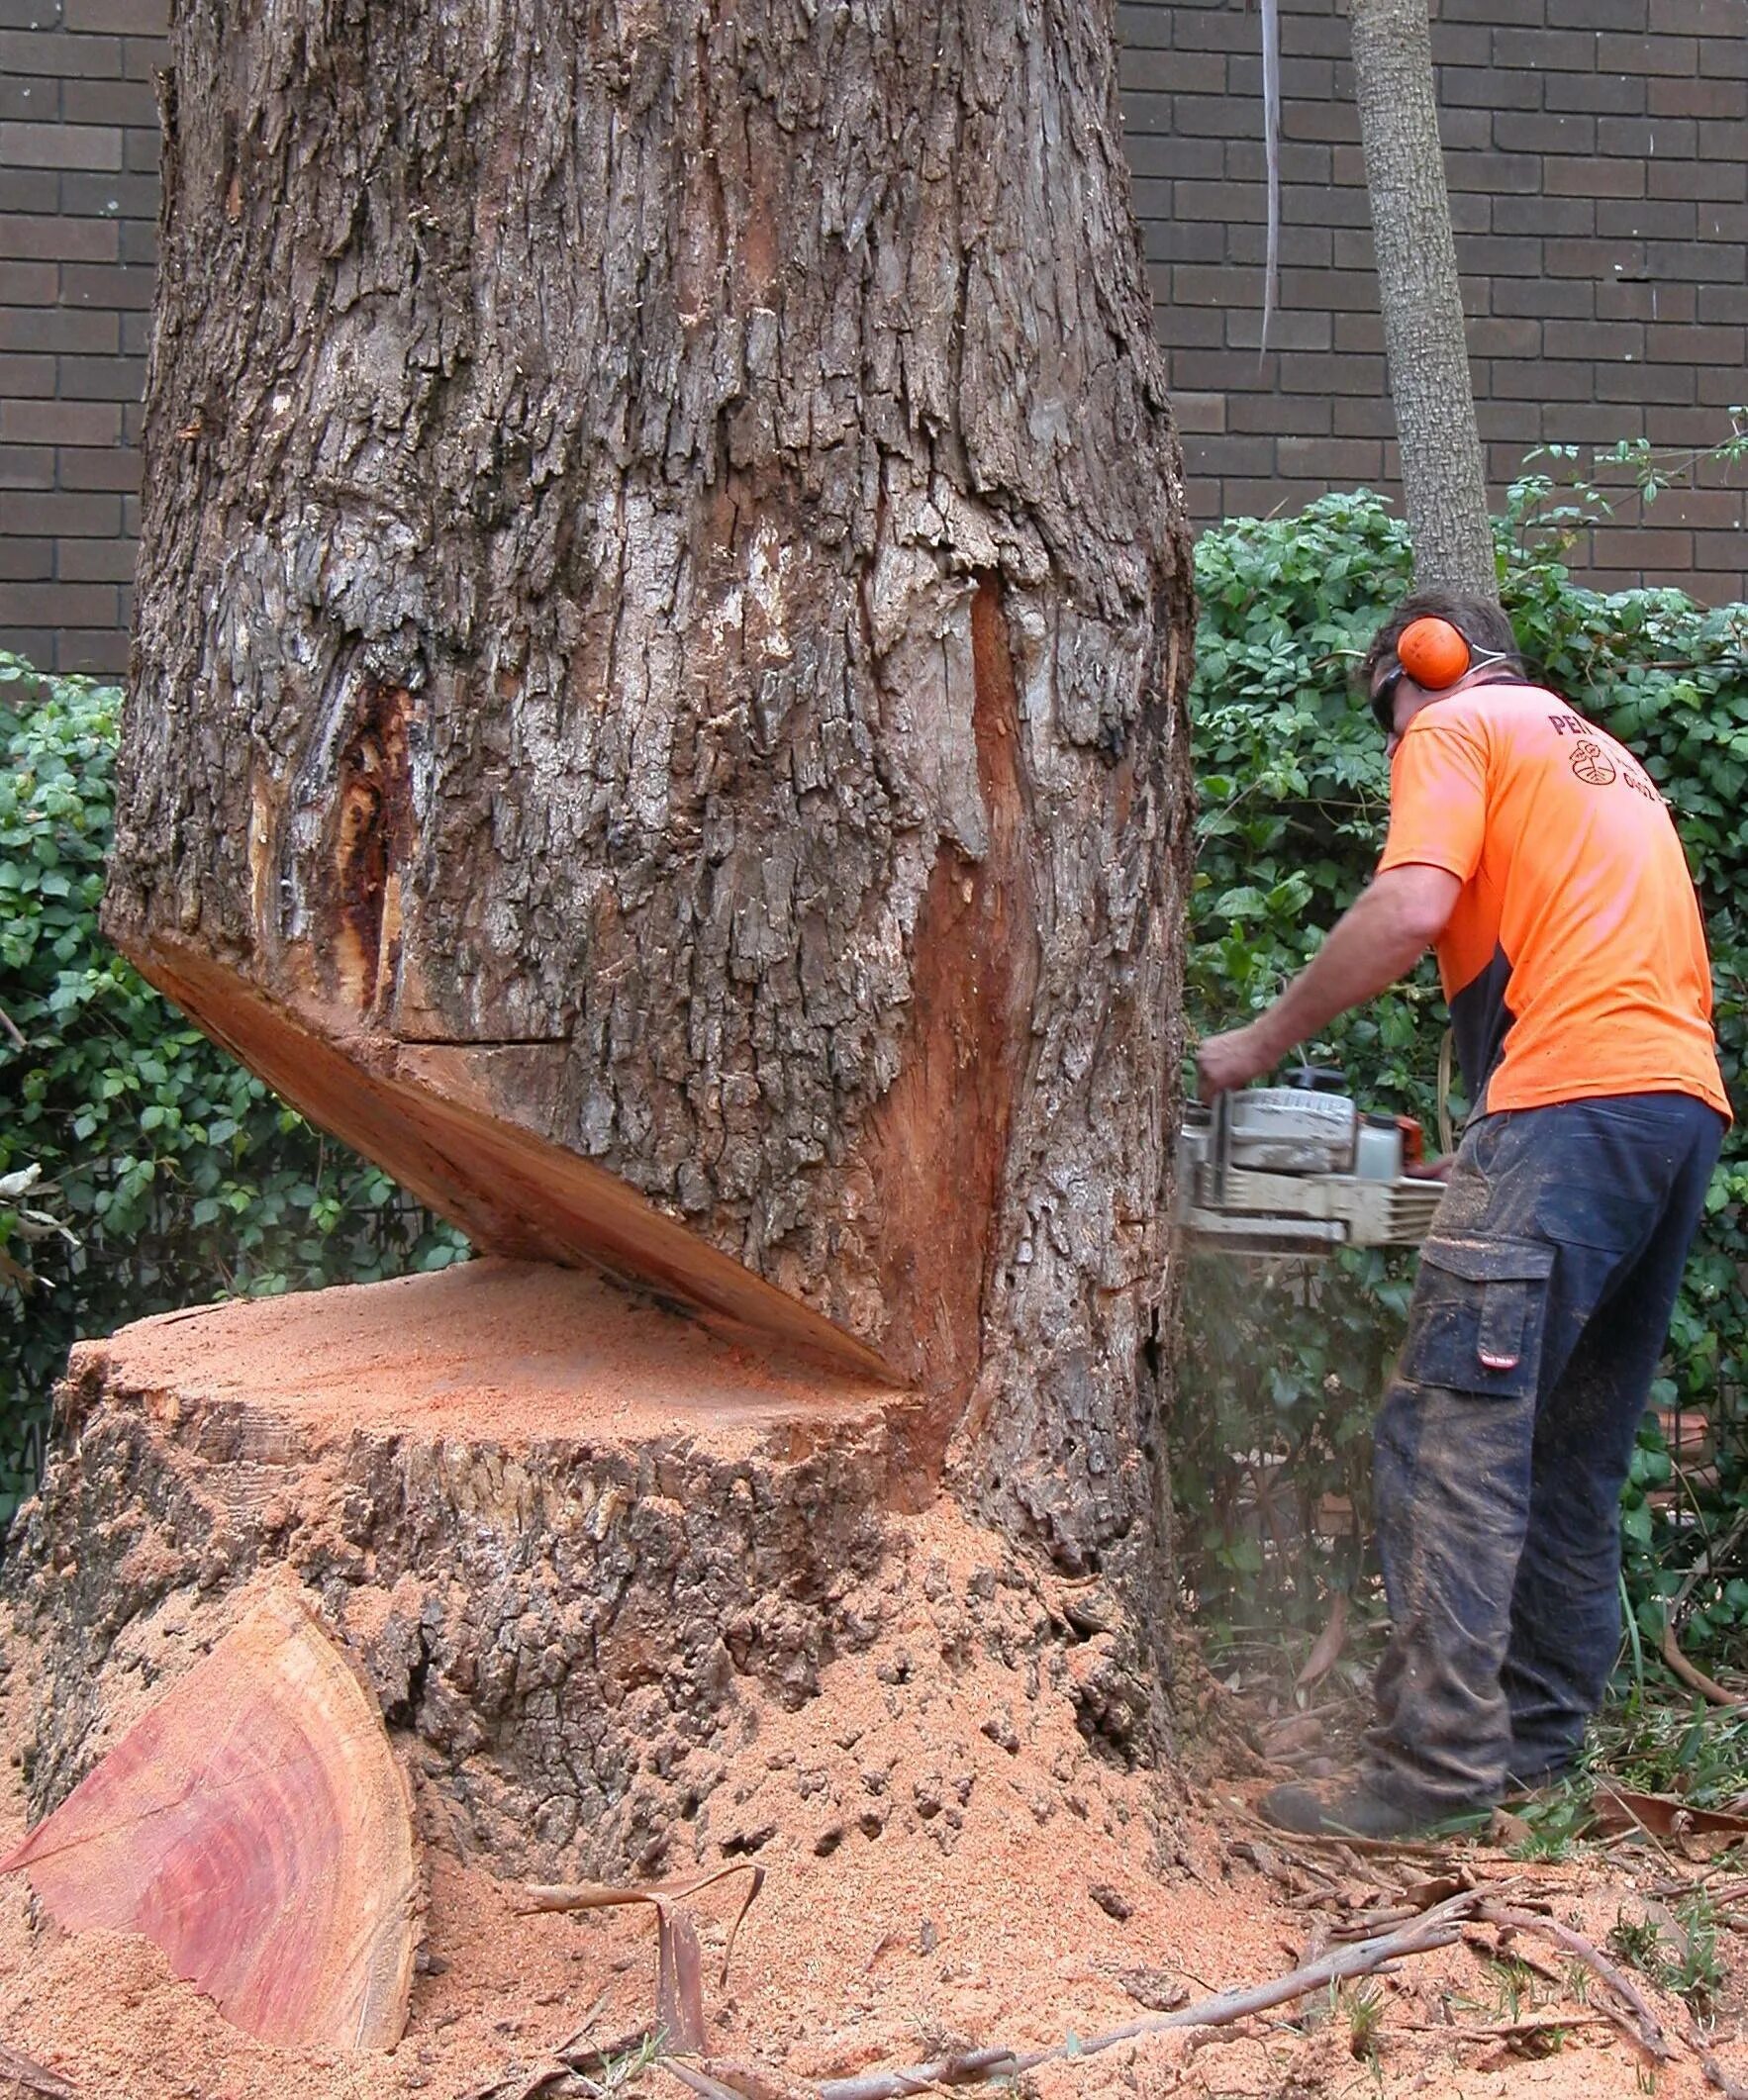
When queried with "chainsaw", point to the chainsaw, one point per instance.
{"points": [[1300, 1170]]}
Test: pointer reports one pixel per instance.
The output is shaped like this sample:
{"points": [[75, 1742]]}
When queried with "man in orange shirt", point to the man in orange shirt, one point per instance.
{"points": [[1535, 852]]}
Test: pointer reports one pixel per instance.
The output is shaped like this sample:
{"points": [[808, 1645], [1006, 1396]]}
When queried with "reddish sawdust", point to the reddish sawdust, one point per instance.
{"points": [[926, 1888]]}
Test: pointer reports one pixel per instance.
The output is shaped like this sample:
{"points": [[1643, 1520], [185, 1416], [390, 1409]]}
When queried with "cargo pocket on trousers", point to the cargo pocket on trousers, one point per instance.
{"points": [[1479, 1310]]}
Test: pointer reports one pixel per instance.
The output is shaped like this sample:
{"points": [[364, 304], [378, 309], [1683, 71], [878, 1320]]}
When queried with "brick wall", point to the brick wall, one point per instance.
{"points": [[79, 213], [1598, 156], [1597, 152]]}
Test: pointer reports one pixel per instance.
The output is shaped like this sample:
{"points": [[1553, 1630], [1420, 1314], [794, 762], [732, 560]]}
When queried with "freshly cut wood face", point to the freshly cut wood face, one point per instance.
{"points": [[255, 1826]]}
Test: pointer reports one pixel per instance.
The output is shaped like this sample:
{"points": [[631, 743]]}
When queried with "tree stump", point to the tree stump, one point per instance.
{"points": [[577, 1551], [559, 1532]]}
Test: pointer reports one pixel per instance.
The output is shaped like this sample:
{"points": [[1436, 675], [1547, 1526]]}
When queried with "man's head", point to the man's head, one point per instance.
{"points": [[1454, 640]]}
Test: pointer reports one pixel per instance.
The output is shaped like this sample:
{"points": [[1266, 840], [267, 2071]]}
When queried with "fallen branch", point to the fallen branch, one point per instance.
{"points": [[1433, 1927], [30, 2077], [1643, 2026], [1691, 1673]]}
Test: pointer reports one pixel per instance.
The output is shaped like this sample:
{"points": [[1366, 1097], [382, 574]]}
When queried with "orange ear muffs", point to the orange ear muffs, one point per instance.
{"points": [[1433, 653]]}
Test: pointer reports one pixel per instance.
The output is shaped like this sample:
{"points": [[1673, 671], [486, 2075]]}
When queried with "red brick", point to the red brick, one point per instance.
{"points": [[1698, 18], [58, 423], [1488, 87], [1722, 177], [1538, 214], [96, 561], [1288, 331], [1544, 379], [51, 52], [1202, 415], [1674, 383], [114, 467], [144, 58], [102, 653], [110, 196], [1647, 54], [1708, 96], [1613, 94], [117, 18], [1698, 262], [1280, 415], [101, 379], [1514, 421], [1331, 460], [1632, 299], [1306, 372], [1723, 302], [1593, 178], [1490, 173], [1552, 132], [1643, 219], [1593, 338], [107, 285], [1720, 509], [1643, 547], [1505, 336], [27, 560], [1725, 589], [30, 189], [1363, 416], [1694, 346], [58, 605], [57, 328], [1144, 25], [1360, 331], [1547, 297], [1592, 259], [109, 102], [40, 238], [1564, 50], [27, 376], [1596, 14], [1191, 328], [61, 145], [26, 466], [28, 283]]}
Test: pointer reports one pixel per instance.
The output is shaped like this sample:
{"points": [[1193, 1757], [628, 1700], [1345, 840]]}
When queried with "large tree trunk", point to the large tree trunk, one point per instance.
{"points": [[657, 707], [1444, 486]]}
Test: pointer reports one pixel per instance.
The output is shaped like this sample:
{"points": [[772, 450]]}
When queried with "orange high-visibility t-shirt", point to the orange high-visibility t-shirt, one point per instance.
{"points": [[1575, 959]]}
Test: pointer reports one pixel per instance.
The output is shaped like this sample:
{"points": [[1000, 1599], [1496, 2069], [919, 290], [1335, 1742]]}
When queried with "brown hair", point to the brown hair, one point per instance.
{"points": [[1479, 621]]}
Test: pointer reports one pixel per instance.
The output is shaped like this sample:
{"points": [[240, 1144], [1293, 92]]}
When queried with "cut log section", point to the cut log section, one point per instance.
{"points": [[255, 1826]]}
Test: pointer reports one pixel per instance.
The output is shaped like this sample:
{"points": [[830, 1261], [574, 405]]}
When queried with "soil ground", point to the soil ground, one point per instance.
{"points": [[949, 1863]]}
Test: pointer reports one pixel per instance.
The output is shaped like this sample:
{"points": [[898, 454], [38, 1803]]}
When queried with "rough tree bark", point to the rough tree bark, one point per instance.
{"points": [[1444, 485], [657, 699]]}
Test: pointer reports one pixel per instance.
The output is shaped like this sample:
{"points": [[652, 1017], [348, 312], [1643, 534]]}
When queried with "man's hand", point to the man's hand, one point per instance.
{"points": [[1235, 1059], [1439, 1170]]}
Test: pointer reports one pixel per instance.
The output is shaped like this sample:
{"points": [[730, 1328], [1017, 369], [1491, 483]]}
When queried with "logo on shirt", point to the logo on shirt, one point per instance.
{"points": [[1591, 764]]}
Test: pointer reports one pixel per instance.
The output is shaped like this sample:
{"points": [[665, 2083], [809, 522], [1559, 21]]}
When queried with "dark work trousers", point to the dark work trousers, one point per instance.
{"points": [[1542, 1307]]}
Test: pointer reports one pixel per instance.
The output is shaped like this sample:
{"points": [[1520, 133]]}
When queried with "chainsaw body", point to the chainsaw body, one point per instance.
{"points": [[1289, 1170]]}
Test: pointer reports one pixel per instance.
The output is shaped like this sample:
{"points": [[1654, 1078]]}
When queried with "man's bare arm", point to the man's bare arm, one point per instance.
{"points": [[1379, 938]]}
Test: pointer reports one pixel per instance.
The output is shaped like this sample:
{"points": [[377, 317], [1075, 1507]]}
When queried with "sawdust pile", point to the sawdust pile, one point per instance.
{"points": [[949, 1863]]}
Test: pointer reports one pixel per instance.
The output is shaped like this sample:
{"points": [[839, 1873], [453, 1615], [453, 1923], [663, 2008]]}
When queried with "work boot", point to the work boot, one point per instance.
{"points": [[1354, 1812]]}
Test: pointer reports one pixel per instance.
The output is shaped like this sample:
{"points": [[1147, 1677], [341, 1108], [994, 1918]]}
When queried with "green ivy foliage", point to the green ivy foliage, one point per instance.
{"points": [[176, 1174], [1281, 1373]]}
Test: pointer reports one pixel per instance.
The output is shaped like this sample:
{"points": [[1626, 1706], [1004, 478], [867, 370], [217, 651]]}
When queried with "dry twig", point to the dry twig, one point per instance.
{"points": [[1643, 2026], [30, 2077], [1432, 1928]]}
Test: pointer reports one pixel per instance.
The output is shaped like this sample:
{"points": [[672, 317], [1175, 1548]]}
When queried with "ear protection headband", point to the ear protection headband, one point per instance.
{"points": [[1436, 655]]}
